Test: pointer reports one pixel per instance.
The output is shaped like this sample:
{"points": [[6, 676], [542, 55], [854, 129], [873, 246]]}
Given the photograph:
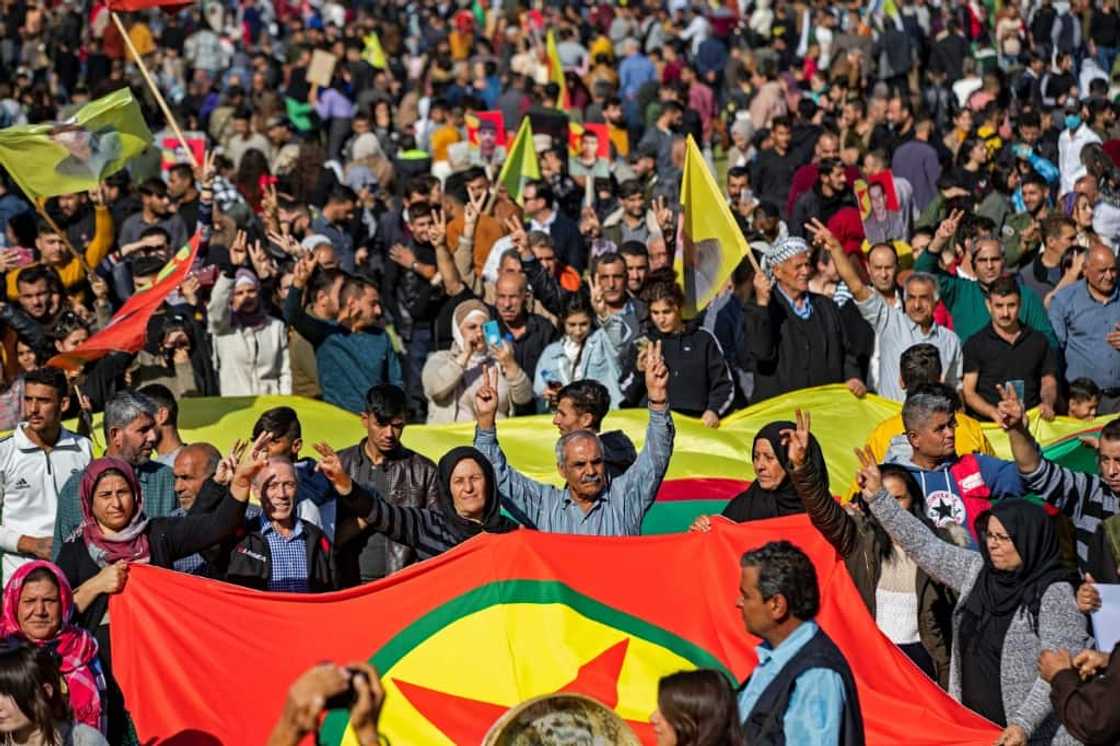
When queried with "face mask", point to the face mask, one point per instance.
{"points": [[1072, 121]]}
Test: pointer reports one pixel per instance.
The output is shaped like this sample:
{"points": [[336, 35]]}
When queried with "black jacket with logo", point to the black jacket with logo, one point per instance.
{"points": [[248, 560]]}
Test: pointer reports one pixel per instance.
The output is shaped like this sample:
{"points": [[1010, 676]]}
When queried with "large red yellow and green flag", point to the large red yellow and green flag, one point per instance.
{"points": [[521, 162], [556, 71], [55, 158], [501, 619], [711, 244]]}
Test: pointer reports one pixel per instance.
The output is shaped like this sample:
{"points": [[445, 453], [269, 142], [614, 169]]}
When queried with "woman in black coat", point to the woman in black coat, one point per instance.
{"points": [[115, 534]]}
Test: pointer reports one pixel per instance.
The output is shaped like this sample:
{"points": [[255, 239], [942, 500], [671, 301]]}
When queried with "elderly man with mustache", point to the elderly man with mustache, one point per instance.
{"points": [[590, 503]]}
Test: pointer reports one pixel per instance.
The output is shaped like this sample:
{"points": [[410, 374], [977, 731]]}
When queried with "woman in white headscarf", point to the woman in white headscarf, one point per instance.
{"points": [[450, 377]]}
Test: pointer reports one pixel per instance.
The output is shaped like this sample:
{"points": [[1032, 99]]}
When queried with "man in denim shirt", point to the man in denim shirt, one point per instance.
{"points": [[590, 503]]}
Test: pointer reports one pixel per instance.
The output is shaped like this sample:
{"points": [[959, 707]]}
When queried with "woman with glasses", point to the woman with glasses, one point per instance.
{"points": [[1016, 600]]}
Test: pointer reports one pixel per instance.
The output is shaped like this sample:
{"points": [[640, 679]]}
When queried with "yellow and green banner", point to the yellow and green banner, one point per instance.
{"points": [[55, 158], [521, 162]]}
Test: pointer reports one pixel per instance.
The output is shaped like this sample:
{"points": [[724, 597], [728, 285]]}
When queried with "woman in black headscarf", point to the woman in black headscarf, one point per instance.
{"points": [[468, 504], [771, 494], [1016, 601]]}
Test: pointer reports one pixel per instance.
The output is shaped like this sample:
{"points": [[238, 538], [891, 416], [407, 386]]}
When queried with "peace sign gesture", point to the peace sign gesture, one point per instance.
{"points": [[330, 466], [664, 215], [822, 236], [437, 234], [1010, 409], [517, 234], [598, 301], [949, 225], [474, 208], [208, 170], [869, 477], [797, 441], [486, 398]]}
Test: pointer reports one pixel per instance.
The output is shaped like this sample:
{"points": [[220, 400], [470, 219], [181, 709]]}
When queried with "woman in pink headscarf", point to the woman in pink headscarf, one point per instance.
{"points": [[39, 607]]}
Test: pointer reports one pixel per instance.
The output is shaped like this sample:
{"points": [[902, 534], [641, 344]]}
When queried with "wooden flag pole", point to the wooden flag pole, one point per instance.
{"points": [[42, 210], [154, 89]]}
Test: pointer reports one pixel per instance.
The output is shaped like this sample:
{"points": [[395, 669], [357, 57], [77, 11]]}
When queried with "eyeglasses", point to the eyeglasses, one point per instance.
{"points": [[997, 538]]}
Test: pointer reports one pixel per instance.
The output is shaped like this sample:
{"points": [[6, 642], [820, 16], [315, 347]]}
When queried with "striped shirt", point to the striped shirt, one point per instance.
{"points": [[1083, 497], [620, 507], [289, 557]]}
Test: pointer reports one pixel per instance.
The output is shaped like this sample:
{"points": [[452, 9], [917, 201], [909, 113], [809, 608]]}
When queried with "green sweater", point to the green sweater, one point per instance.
{"points": [[966, 301]]}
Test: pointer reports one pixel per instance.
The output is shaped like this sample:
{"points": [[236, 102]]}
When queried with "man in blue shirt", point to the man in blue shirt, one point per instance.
{"points": [[590, 503], [802, 690], [1086, 319]]}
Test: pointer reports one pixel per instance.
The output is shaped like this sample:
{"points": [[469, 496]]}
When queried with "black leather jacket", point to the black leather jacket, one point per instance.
{"points": [[413, 482]]}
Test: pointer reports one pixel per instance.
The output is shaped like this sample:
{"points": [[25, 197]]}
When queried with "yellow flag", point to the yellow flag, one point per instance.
{"points": [[54, 158], [556, 72], [521, 163], [711, 244], [373, 53]]}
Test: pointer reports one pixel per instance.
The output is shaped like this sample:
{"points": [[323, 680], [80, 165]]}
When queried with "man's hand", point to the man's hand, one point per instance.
{"points": [[1089, 662], [306, 699], [437, 234], [1088, 597], [657, 378], [239, 249], [589, 223], [665, 216], [1013, 735], [1010, 413], [208, 169], [1113, 337], [402, 255], [762, 288], [1046, 412], [518, 236], [304, 268], [330, 466], [248, 468], [822, 236], [857, 387], [797, 441], [946, 231], [366, 710], [598, 301], [486, 399], [228, 465], [869, 477], [189, 288], [35, 546], [97, 195], [1052, 661], [263, 264], [710, 419]]}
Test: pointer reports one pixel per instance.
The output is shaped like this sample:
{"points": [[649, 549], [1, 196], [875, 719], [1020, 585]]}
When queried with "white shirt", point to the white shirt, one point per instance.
{"points": [[30, 480], [1070, 143]]}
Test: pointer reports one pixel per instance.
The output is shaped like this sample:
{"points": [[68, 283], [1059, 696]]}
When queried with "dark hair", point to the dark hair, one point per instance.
{"points": [[322, 280], [780, 121], [633, 248], [354, 286], [701, 708], [1052, 225], [281, 422], [155, 230], [607, 257], [164, 399], [1111, 431], [1029, 118], [36, 273], [182, 169], [40, 574], [386, 402], [662, 286], [920, 363], [588, 397], [154, 187], [739, 172], [785, 569], [543, 190], [341, 193], [629, 188], [50, 377], [917, 507], [577, 303], [30, 676], [1005, 286], [1079, 389]]}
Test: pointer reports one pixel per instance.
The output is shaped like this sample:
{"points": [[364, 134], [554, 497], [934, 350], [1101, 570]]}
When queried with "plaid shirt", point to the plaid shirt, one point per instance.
{"points": [[289, 557], [157, 484]]}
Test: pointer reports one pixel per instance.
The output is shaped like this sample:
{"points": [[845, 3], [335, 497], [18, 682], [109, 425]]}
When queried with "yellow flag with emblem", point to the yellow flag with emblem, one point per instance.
{"points": [[710, 245]]}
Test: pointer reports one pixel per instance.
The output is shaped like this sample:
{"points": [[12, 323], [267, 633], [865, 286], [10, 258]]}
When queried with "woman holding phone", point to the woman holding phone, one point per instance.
{"points": [[450, 377]]}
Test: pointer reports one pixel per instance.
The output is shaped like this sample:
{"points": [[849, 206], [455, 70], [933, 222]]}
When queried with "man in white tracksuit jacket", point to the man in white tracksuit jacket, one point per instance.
{"points": [[35, 461]]}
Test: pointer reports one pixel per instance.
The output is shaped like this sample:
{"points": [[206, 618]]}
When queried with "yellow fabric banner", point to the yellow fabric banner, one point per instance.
{"points": [[840, 421]]}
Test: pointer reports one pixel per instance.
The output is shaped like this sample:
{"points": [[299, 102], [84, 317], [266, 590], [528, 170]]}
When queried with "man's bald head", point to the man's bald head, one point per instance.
{"points": [[195, 464]]}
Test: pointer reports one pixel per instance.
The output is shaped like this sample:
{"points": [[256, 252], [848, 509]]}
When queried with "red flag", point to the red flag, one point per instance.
{"points": [[125, 331], [475, 119], [463, 636], [575, 133], [125, 6]]}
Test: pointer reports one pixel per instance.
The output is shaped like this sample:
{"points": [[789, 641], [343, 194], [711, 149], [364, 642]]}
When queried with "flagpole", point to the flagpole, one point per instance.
{"points": [[42, 210], [154, 88]]}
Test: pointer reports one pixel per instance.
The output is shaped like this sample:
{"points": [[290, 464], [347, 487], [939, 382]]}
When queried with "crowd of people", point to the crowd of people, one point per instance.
{"points": [[930, 191]]}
